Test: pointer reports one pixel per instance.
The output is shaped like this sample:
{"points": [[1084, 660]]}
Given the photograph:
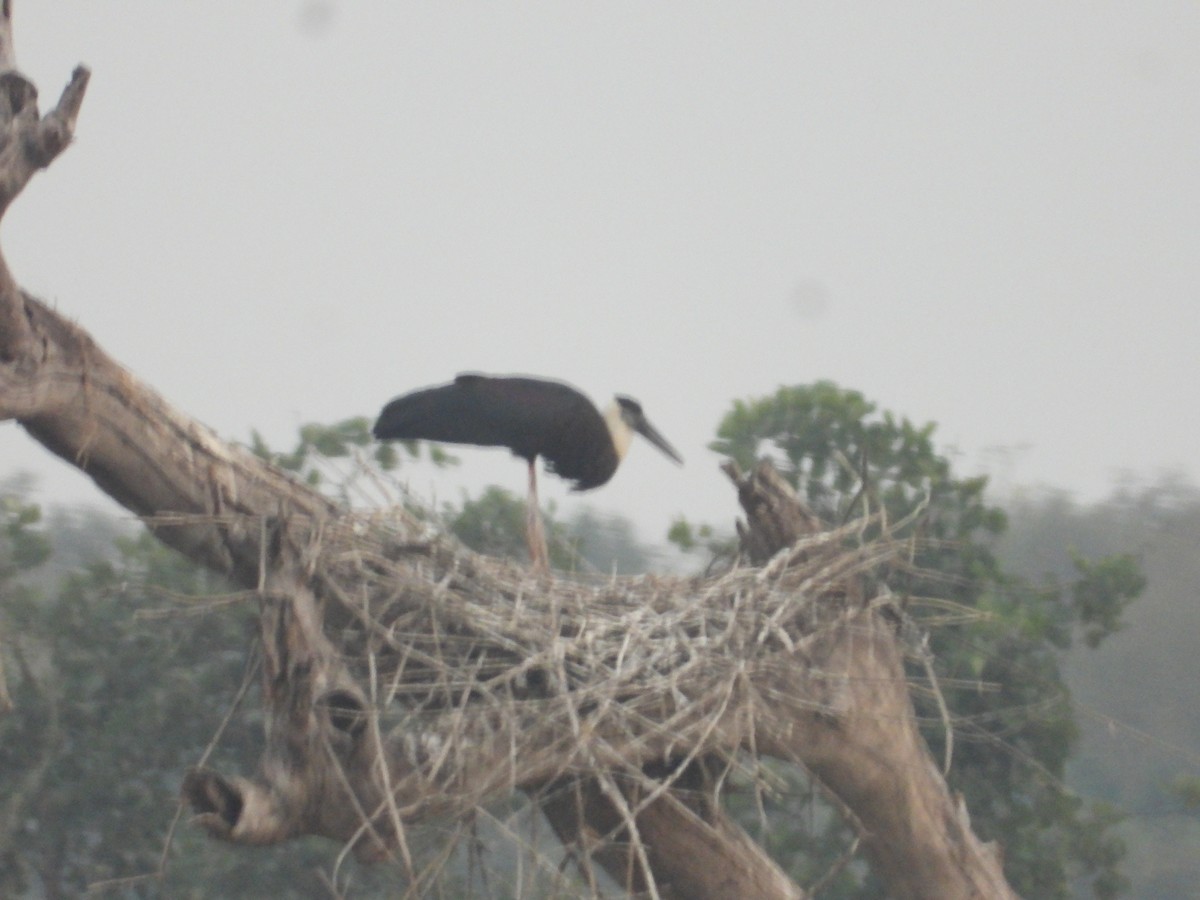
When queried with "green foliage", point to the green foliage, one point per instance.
{"points": [[494, 523], [686, 536], [112, 705], [24, 546], [701, 539], [111, 708], [1102, 591], [608, 543], [1098, 849], [1186, 789], [1015, 731], [337, 441], [1140, 723], [820, 436]]}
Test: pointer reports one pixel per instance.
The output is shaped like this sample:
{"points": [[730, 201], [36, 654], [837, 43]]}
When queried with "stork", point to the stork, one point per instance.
{"points": [[532, 417]]}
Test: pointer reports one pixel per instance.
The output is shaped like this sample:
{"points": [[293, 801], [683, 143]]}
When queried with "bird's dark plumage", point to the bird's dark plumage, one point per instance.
{"points": [[530, 416]]}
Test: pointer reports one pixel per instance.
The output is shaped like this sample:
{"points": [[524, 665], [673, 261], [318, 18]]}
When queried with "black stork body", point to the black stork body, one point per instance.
{"points": [[532, 417]]}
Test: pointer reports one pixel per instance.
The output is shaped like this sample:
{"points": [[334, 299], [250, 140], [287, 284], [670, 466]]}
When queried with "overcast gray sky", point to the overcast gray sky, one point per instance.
{"points": [[986, 215]]}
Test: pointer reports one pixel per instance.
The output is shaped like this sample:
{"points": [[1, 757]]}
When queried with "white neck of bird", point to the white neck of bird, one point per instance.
{"points": [[621, 433]]}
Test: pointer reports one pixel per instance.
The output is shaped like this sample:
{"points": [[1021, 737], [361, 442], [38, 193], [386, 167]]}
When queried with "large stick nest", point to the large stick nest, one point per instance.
{"points": [[467, 660], [406, 677]]}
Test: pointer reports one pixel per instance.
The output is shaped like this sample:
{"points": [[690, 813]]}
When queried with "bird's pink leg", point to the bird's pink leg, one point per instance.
{"points": [[534, 531]]}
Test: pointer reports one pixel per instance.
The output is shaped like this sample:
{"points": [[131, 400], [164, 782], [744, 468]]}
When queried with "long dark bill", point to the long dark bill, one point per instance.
{"points": [[650, 433]]}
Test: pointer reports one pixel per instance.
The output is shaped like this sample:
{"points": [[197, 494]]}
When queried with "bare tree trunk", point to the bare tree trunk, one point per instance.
{"points": [[870, 755], [693, 848], [405, 677]]}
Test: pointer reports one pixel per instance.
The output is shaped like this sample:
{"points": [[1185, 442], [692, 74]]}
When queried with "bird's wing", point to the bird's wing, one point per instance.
{"points": [[571, 435], [530, 416], [456, 413]]}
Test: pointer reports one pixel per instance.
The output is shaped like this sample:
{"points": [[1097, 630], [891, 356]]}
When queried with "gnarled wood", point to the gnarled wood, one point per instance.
{"points": [[775, 516], [692, 846]]}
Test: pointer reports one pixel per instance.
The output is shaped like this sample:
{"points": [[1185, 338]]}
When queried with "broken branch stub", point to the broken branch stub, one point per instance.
{"points": [[28, 142]]}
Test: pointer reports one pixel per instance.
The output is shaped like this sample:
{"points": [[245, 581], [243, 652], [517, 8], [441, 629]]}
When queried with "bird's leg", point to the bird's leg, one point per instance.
{"points": [[534, 531]]}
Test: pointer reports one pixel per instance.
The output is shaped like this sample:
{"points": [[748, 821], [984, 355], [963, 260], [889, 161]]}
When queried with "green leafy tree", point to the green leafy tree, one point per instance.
{"points": [[1186, 789], [23, 549], [1014, 729], [111, 704], [1139, 724], [318, 444], [494, 523], [609, 543]]}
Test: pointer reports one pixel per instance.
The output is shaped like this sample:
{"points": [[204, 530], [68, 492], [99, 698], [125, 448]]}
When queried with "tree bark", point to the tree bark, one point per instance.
{"points": [[870, 756], [692, 847], [406, 678]]}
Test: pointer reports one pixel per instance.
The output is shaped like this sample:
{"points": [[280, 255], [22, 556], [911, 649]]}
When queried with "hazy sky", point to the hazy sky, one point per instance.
{"points": [[983, 215]]}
